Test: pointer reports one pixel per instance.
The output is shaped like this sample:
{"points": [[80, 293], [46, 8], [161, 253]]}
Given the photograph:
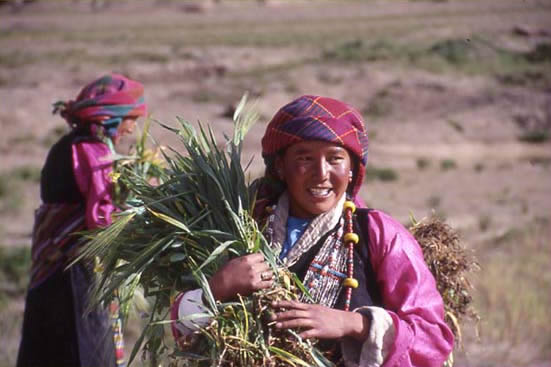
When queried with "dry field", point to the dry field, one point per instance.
{"points": [[456, 95]]}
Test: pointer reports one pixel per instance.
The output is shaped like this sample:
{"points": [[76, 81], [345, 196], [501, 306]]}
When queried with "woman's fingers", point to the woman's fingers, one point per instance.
{"points": [[255, 266], [294, 324], [264, 285], [313, 321], [295, 315], [291, 314], [253, 258], [291, 304], [260, 268], [242, 275], [310, 333], [264, 279], [261, 274], [258, 273]]}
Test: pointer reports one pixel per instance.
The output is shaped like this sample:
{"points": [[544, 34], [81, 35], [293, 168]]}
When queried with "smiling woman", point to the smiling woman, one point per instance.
{"points": [[372, 300], [317, 175]]}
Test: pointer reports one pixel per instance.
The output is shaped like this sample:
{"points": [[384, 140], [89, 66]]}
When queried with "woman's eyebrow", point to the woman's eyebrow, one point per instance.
{"points": [[336, 149], [309, 150], [305, 150]]}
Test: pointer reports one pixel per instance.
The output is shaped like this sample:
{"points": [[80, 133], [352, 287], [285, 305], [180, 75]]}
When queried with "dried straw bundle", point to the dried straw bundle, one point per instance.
{"points": [[450, 263]]}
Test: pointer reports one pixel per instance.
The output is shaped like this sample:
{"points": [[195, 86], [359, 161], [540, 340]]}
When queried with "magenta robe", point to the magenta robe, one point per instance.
{"points": [[409, 295], [92, 168]]}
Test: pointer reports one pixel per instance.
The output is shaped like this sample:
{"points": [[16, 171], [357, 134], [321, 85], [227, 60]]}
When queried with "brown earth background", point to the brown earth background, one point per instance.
{"points": [[456, 95]]}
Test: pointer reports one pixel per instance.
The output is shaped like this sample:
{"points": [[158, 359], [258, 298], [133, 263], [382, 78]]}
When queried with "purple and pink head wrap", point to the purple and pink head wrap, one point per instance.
{"points": [[317, 118], [105, 101]]}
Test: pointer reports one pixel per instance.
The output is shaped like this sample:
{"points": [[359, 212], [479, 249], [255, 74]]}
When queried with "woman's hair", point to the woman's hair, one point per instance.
{"points": [[317, 118], [105, 102]]}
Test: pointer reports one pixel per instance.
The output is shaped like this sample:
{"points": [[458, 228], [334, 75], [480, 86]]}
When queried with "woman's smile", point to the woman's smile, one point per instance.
{"points": [[320, 192]]}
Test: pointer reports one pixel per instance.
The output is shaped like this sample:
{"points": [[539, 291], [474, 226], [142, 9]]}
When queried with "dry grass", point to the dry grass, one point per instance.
{"points": [[513, 298], [451, 264]]}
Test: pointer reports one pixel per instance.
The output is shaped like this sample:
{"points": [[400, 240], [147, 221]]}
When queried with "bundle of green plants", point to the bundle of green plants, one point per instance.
{"points": [[175, 233]]}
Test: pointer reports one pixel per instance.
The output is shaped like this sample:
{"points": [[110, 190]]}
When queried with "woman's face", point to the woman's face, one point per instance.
{"points": [[126, 127], [317, 174]]}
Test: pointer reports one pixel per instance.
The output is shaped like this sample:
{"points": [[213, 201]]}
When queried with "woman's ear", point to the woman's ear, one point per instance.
{"points": [[352, 173]]}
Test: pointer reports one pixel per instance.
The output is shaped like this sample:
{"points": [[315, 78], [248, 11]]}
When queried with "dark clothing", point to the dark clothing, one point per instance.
{"points": [[362, 296], [57, 181], [57, 329], [58, 332]]}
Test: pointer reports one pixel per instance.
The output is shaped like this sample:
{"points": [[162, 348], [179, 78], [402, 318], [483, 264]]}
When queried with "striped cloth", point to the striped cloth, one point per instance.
{"points": [[118, 338], [317, 118], [311, 118], [53, 243], [105, 101]]}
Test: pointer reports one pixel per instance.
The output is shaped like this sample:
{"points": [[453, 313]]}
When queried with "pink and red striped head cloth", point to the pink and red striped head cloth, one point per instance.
{"points": [[105, 101], [317, 118]]}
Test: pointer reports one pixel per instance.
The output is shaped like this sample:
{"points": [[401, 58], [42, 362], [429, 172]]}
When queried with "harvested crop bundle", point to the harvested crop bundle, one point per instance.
{"points": [[173, 236]]}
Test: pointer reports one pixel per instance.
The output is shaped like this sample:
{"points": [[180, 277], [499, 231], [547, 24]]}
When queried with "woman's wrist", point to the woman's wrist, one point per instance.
{"points": [[357, 326]]}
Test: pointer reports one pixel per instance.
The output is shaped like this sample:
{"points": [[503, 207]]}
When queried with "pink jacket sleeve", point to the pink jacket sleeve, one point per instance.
{"points": [[92, 167], [409, 295]]}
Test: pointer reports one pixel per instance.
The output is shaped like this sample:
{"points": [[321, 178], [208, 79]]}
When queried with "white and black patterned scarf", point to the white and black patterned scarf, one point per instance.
{"points": [[326, 272]]}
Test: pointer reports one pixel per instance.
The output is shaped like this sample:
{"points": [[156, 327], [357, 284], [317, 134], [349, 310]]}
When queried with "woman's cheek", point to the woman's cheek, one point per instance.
{"points": [[342, 170]]}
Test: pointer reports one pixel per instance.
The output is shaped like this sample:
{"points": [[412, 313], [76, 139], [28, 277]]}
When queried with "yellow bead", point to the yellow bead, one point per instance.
{"points": [[349, 204], [351, 237], [350, 282]]}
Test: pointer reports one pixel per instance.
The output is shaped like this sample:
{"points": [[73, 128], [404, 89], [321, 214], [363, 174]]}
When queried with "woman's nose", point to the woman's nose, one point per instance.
{"points": [[321, 169]]}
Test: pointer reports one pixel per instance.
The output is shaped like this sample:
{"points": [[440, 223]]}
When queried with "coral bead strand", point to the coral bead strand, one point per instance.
{"points": [[350, 239]]}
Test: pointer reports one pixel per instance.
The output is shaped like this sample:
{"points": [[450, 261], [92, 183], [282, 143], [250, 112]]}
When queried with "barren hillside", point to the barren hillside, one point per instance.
{"points": [[456, 95]]}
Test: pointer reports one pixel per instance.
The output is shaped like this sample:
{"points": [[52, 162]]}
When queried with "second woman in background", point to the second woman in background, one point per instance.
{"points": [[76, 191]]}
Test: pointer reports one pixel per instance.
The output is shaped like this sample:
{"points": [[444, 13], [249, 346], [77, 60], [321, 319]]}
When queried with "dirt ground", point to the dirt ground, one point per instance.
{"points": [[456, 96]]}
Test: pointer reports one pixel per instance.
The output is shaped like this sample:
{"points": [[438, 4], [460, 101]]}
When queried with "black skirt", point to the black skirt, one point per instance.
{"points": [[57, 330]]}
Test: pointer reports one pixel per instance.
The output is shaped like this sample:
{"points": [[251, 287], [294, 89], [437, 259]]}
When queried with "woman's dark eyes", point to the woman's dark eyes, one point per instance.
{"points": [[336, 158]]}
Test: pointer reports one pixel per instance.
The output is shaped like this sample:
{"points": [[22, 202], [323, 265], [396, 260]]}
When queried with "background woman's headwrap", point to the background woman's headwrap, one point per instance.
{"points": [[316, 118], [113, 96]]}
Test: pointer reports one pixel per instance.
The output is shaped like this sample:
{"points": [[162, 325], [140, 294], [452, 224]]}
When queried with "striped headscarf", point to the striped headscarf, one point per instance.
{"points": [[317, 118], [105, 101]]}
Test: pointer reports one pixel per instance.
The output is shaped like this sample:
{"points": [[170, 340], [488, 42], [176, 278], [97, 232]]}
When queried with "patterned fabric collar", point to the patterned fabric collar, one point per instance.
{"points": [[315, 230]]}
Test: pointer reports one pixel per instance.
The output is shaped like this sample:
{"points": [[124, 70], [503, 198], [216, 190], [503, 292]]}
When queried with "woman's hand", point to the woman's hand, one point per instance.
{"points": [[316, 321], [242, 275]]}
